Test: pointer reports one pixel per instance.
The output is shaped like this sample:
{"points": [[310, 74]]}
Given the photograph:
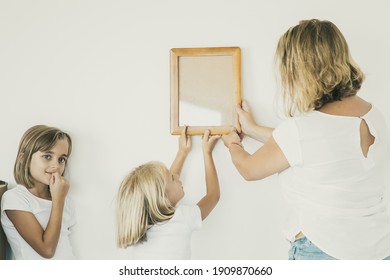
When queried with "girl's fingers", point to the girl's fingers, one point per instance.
{"points": [[52, 180], [184, 131], [206, 135]]}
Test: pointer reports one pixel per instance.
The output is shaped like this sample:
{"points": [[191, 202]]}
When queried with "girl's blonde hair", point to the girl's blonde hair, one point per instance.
{"points": [[37, 138], [315, 66], [141, 203]]}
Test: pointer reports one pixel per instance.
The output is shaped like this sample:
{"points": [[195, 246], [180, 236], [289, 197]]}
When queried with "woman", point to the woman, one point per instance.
{"points": [[330, 152]]}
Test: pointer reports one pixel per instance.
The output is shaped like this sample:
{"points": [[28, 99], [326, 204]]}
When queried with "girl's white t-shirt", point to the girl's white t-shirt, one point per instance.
{"points": [[170, 240], [19, 198], [334, 194]]}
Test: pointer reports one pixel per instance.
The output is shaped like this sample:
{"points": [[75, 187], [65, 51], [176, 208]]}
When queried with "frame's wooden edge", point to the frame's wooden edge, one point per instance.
{"points": [[205, 51], [199, 130], [174, 83], [238, 86]]}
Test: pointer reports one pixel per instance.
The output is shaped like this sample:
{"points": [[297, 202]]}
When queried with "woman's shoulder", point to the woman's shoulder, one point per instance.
{"points": [[352, 106]]}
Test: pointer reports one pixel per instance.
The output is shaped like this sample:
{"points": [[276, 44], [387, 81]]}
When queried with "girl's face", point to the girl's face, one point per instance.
{"points": [[44, 164], [174, 188]]}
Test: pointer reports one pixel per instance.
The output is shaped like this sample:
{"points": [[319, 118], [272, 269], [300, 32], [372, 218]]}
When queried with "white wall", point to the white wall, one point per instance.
{"points": [[100, 70]]}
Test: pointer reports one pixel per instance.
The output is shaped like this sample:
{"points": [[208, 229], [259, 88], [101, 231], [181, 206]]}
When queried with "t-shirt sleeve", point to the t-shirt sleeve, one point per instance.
{"points": [[13, 201], [192, 216], [287, 137]]}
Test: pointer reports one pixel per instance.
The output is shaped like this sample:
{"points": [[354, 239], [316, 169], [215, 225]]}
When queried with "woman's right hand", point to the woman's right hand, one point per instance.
{"points": [[249, 127], [247, 121]]}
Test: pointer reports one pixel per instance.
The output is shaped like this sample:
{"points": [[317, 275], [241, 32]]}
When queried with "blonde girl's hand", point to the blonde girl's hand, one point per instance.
{"points": [[59, 186], [232, 137], [185, 141], [209, 142]]}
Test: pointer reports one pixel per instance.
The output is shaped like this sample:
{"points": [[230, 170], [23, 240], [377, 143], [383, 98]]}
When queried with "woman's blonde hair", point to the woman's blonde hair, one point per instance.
{"points": [[315, 66], [37, 138], [142, 202]]}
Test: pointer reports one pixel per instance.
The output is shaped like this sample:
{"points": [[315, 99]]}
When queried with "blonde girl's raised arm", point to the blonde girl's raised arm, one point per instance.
{"points": [[210, 200]]}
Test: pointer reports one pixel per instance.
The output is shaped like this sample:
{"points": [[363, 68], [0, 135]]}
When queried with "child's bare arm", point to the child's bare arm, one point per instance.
{"points": [[184, 149], [210, 200], [43, 241]]}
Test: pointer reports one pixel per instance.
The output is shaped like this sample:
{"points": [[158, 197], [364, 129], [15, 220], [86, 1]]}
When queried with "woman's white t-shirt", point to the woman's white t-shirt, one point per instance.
{"points": [[334, 194], [19, 198]]}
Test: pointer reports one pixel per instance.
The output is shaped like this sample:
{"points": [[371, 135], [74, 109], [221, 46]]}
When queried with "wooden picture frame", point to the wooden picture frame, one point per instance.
{"points": [[205, 89]]}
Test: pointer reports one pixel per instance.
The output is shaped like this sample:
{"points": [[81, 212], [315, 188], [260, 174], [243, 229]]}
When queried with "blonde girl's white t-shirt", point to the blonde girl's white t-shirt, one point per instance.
{"points": [[334, 194], [19, 198], [170, 240]]}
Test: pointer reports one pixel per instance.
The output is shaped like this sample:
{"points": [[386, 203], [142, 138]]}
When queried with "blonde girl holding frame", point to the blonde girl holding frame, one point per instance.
{"points": [[151, 221]]}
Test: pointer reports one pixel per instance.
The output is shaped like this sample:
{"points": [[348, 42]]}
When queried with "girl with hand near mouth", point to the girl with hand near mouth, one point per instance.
{"points": [[37, 214]]}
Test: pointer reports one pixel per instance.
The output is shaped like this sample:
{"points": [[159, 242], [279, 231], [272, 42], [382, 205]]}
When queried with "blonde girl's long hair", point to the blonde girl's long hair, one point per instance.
{"points": [[141, 203], [37, 138], [315, 66]]}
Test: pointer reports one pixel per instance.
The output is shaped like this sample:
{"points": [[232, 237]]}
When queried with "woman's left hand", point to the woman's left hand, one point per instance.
{"points": [[231, 137]]}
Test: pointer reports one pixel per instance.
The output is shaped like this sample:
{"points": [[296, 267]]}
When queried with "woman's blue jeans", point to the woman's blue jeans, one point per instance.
{"points": [[304, 249]]}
